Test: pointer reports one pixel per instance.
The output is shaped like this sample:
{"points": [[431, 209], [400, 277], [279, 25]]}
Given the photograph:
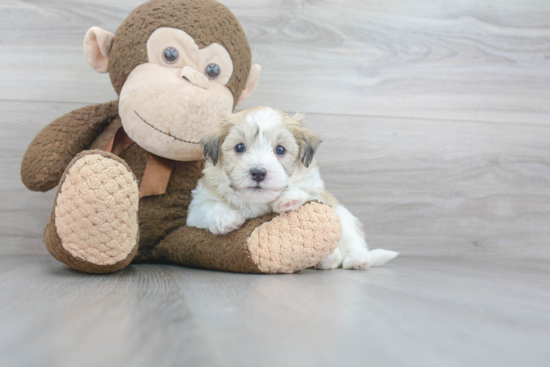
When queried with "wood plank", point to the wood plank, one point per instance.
{"points": [[435, 187], [424, 187], [463, 60], [413, 312], [23, 214]]}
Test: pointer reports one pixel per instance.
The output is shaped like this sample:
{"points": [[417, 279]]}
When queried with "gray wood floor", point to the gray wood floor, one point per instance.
{"points": [[413, 312], [436, 124]]}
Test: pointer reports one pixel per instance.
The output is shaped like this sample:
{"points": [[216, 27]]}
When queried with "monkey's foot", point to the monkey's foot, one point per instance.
{"points": [[295, 240], [95, 215]]}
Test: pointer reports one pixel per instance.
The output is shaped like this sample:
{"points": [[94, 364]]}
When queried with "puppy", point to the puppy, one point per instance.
{"points": [[261, 160]]}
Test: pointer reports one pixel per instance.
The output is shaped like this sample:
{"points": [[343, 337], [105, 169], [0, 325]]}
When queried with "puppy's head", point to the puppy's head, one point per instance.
{"points": [[259, 149]]}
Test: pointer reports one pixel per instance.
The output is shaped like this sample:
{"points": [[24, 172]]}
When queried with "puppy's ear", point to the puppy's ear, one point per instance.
{"points": [[211, 143], [299, 117], [307, 140]]}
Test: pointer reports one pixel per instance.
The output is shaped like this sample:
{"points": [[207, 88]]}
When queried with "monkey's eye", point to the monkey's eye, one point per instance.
{"points": [[212, 71], [171, 55], [239, 148], [280, 150]]}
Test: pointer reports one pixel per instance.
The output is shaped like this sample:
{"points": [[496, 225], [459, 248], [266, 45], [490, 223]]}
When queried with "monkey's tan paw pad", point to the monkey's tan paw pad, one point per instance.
{"points": [[295, 240], [96, 210]]}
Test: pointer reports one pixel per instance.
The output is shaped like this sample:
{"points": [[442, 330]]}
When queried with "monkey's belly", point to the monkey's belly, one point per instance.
{"points": [[159, 215]]}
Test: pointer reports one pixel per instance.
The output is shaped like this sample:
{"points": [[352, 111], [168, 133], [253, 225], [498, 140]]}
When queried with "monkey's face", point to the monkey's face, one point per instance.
{"points": [[169, 103], [177, 65]]}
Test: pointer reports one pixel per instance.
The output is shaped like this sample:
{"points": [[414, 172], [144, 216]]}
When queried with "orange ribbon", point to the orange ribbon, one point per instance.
{"points": [[157, 171]]}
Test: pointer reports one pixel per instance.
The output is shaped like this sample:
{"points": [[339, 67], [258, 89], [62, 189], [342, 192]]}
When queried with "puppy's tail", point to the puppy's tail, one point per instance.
{"points": [[381, 256]]}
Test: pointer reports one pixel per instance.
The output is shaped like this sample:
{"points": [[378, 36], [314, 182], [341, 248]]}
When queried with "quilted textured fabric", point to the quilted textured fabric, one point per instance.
{"points": [[96, 211], [295, 240]]}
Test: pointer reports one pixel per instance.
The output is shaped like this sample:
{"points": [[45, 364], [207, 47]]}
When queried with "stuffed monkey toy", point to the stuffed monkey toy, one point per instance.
{"points": [[125, 169]]}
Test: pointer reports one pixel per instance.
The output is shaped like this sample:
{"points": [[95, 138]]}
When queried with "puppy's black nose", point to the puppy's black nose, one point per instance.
{"points": [[258, 174]]}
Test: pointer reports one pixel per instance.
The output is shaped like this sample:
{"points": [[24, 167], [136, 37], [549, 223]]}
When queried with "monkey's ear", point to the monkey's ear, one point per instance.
{"points": [[251, 83], [211, 145], [97, 47]]}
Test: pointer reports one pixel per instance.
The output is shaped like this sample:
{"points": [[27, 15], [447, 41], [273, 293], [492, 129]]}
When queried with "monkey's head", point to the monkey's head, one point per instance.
{"points": [[176, 66]]}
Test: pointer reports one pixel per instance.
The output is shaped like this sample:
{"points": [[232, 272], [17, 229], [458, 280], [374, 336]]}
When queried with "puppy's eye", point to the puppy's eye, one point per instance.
{"points": [[280, 150], [212, 71], [171, 55], [239, 148]]}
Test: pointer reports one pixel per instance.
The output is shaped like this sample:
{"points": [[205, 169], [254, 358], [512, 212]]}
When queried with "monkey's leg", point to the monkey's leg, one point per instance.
{"points": [[94, 225], [283, 243]]}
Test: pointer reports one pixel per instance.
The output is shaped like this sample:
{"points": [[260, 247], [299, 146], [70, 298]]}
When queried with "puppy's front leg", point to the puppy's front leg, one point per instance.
{"points": [[291, 199], [210, 212], [226, 221], [216, 217]]}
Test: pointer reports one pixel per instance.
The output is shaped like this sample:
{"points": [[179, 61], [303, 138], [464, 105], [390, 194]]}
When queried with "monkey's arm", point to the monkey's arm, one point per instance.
{"points": [[53, 148], [283, 243]]}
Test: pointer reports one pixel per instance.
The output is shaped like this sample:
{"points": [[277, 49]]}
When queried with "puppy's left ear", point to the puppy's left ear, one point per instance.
{"points": [[308, 146], [307, 140], [211, 145]]}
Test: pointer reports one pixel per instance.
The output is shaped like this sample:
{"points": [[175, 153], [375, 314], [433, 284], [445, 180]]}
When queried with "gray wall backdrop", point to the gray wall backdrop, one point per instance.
{"points": [[435, 114]]}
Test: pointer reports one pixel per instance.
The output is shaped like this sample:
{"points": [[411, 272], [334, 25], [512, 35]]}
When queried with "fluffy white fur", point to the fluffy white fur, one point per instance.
{"points": [[227, 194]]}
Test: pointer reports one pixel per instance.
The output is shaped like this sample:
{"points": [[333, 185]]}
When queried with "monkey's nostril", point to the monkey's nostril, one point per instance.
{"points": [[258, 174]]}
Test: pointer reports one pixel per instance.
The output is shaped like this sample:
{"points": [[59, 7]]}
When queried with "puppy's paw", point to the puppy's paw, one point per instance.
{"points": [[226, 222], [358, 259], [330, 262], [289, 200]]}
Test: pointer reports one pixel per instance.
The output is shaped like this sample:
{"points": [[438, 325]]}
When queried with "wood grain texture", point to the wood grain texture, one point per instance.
{"points": [[23, 214], [435, 116], [441, 187], [466, 60], [420, 187], [413, 312]]}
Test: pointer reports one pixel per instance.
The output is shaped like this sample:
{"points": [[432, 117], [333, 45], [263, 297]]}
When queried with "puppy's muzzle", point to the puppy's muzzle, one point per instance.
{"points": [[258, 174]]}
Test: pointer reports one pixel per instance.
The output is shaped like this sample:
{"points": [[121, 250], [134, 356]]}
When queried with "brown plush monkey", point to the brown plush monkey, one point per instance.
{"points": [[125, 169]]}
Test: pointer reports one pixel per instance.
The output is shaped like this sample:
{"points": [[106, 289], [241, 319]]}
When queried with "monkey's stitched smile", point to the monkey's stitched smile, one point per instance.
{"points": [[162, 132]]}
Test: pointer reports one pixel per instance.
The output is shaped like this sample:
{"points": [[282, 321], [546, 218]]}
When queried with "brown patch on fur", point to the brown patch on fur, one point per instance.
{"points": [[211, 143], [306, 138], [329, 199]]}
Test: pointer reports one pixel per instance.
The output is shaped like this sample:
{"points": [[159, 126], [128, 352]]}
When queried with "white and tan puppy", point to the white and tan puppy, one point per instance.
{"points": [[261, 160]]}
